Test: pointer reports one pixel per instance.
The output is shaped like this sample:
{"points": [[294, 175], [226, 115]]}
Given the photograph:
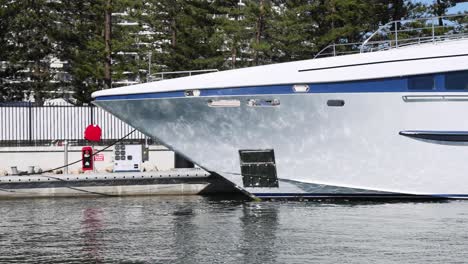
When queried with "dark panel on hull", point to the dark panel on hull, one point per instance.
{"points": [[258, 168]]}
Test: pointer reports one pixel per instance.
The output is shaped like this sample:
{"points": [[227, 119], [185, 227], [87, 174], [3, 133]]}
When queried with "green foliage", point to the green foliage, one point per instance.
{"points": [[27, 40], [293, 31], [231, 35], [171, 35]]}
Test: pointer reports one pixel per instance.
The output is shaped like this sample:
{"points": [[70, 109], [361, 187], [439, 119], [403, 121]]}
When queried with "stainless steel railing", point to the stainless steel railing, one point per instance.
{"points": [[402, 33]]}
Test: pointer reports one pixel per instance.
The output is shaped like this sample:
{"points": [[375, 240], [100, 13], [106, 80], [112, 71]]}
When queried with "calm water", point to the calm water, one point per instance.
{"points": [[206, 230]]}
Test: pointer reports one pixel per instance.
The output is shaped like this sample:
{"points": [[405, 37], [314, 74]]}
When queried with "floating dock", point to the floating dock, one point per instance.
{"points": [[171, 182]]}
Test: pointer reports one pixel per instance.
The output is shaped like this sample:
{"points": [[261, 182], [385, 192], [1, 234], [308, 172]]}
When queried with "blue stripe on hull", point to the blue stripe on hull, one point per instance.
{"points": [[359, 195], [388, 85]]}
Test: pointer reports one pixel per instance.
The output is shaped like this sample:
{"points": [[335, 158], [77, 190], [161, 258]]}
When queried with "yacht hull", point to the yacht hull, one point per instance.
{"points": [[340, 144]]}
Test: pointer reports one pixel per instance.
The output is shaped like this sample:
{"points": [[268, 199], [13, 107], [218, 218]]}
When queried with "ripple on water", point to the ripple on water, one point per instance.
{"points": [[205, 230]]}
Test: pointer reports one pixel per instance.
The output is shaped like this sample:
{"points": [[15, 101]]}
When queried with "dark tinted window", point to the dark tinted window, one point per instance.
{"points": [[456, 80], [421, 82]]}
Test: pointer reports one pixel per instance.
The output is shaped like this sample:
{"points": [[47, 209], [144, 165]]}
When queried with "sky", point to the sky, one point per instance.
{"points": [[458, 8], [461, 7]]}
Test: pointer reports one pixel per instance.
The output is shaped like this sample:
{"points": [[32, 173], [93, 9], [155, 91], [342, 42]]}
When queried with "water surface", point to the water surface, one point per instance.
{"points": [[194, 229]]}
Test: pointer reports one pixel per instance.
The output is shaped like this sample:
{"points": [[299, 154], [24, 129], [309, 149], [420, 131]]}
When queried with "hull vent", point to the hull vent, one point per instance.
{"points": [[258, 168]]}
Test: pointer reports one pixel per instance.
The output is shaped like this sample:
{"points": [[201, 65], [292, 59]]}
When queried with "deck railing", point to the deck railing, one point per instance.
{"points": [[406, 32], [159, 76]]}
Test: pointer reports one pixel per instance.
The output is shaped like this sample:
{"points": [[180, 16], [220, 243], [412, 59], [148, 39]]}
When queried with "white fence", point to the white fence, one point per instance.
{"points": [[30, 125]]}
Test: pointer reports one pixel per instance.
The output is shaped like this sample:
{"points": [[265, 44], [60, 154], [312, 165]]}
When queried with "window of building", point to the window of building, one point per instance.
{"points": [[456, 80], [425, 82]]}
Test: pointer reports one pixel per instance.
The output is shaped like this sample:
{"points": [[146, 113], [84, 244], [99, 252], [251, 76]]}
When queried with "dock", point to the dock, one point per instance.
{"points": [[193, 181]]}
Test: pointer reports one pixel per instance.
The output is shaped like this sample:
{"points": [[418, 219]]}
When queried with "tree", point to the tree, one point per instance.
{"points": [[82, 43], [196, 46], [173, 35], [259, 19], [86, 48], [293, 30], [185, 34], [28, 43], [440, 9], [231, 35], [343, 21]]}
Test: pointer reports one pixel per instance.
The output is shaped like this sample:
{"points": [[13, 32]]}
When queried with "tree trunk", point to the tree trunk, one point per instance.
{"points": [[174, 33], [108, 50], [440, 10], [234, 56], [332, 11], [259, 33], [398, 9]]}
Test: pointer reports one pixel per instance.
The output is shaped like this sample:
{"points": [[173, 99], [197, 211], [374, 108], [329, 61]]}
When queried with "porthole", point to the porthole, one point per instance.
{"points": [[336, 103]]}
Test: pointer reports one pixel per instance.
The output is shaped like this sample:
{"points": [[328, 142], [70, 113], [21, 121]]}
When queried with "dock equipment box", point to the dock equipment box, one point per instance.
{"points": [[127, 157]]}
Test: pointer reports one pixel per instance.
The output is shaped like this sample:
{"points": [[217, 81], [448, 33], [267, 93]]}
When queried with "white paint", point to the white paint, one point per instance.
{"points": [[287, 73], [133, 164], [356, 146]]}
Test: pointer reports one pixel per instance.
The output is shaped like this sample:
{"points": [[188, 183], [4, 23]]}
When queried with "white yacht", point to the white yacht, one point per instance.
{"points": [[388, 121]]}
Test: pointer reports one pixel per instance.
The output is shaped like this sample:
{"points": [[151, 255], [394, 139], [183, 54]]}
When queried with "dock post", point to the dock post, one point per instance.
{"points": [[65, 157]]}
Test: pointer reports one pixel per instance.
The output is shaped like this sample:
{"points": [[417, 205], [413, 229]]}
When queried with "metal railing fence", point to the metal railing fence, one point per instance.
{"points": [[28, 124]]}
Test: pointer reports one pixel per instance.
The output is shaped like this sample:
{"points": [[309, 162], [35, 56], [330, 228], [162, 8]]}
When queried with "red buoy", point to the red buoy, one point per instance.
{"points": [[93, 133]]}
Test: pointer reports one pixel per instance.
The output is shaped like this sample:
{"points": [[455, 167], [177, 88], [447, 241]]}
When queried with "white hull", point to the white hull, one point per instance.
{"points": [[356, 146], [346, 149]]}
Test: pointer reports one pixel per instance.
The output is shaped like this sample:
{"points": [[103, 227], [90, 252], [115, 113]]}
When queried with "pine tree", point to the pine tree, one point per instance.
{"points": [[185, 34], [294, 30], [231, 35], [83, 45], [440, 9], [343, 21], [258, 17], [28, 43], [174, 35]]}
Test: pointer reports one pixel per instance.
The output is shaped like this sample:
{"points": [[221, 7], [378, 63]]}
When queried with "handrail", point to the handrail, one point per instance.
{"points": [[404, 32], [189, 72]]}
